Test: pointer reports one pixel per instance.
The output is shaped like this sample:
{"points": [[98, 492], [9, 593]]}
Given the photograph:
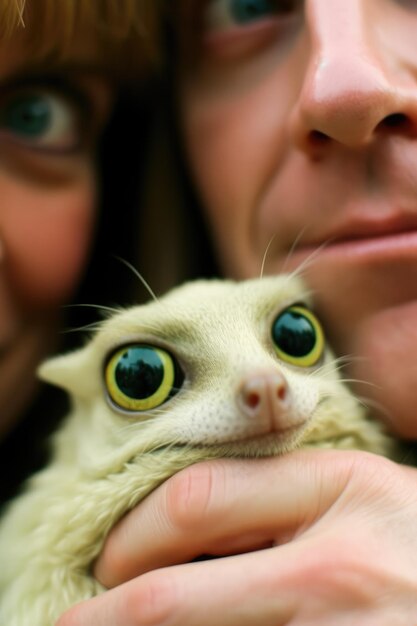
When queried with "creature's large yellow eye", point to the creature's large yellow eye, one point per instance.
{"points": [[298, 337], [140, 377]]}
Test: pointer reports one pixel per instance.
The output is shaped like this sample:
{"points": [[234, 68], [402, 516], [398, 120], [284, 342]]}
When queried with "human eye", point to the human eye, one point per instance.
{"points": [[44, 117], [230, 29], [40, 119], [224, 14]]}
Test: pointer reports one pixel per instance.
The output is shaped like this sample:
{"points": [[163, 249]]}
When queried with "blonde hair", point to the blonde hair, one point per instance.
{"points": [[127, 31]]}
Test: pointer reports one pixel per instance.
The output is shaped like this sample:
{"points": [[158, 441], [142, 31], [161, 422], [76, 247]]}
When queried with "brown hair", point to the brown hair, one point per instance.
{"points": [[127, 31]]}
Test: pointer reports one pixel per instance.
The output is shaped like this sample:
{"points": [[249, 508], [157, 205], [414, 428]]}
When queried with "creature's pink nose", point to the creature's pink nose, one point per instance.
{"points": [[265, 395]]}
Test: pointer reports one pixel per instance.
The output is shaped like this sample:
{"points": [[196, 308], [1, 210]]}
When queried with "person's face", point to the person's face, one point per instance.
{"points": [[300, 122], [50, 117]]}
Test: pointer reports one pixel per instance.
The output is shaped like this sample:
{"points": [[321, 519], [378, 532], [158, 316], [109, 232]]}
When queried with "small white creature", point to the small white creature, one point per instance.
{"points": [[215, 368]]}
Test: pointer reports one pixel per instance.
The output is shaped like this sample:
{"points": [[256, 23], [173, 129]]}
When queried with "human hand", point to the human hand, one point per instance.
{"points": [[320, 538]]}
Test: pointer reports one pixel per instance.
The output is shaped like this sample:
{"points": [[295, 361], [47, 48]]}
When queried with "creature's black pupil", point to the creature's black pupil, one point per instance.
{"points": [[139, 372], [294, 334]]}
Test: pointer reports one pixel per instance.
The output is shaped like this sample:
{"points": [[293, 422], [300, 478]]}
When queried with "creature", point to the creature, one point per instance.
{"points": [[214, 368]]}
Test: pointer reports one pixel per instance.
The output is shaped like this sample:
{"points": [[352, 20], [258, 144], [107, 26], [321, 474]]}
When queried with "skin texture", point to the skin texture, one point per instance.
{"points": [[312, 115], [317, 145], [47, 208], [311, 501]]}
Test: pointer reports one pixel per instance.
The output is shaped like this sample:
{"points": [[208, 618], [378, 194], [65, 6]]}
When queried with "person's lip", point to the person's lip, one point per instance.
{"points": [[391, 238]]}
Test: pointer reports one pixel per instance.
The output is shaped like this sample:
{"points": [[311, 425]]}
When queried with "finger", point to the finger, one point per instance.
{"points": [[163, 597], [223, 506], [316, 582]]}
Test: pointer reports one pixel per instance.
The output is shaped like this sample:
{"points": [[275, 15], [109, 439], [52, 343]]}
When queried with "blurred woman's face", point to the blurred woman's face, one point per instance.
{"points": [[50, 118], [300, 122]]}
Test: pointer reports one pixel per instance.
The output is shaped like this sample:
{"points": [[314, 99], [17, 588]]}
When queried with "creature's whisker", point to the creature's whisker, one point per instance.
{"points": [[336, 365], [329, 368], [359, 381], [97, 307], [139, 276], [348, 359], [308, 261], [353, 358], [94, 326], [369, 403], [298, 271], [339, 395], [293, 247], [265, 255]]}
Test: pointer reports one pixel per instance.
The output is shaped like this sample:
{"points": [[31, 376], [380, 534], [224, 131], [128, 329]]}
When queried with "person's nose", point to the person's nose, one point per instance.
{"points": [[352, 88]]}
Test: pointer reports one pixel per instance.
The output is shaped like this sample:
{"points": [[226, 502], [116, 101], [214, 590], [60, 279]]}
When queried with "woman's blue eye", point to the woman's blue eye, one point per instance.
{"points": [[41, 119], [220, 15], [248, 10], [28, 115]]}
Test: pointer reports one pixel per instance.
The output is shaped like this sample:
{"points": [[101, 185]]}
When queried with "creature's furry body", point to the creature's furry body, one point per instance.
{"points": [[104, 461]]}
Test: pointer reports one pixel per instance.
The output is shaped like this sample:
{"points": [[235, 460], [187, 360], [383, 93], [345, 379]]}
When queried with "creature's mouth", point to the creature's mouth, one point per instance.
{"points": [[270, 443], [267, 443], [266, 437]]}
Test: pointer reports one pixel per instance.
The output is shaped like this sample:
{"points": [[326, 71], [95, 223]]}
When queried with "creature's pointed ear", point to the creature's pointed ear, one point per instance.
{"points": [[72, 372]]}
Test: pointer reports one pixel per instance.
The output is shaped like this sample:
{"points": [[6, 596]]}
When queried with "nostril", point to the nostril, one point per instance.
{"points": [[398, 122], [395, 119], [318, 138], [252, 400], [281, 392], [315, 142]]}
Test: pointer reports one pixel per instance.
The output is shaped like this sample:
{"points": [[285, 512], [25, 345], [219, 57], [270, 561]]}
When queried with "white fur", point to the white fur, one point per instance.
{"points": [[106, 461]]}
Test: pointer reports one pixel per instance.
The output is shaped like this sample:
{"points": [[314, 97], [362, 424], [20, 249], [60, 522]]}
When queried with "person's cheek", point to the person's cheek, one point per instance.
{"points": [[386, 344], [46, 233], [236, 138]]}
